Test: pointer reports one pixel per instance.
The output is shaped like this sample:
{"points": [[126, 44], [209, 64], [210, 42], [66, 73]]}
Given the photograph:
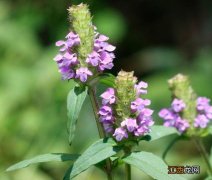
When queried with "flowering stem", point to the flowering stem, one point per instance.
{"points": [[95, 106], [96, 109], [128, 171], [201, 148], [127, 150]]}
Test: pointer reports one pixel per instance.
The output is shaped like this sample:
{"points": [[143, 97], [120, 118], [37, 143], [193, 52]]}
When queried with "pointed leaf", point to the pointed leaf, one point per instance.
{"points": [[107, 79], [97, 152], [161, 131], [151, 165], [44, 158], [75, 100]]}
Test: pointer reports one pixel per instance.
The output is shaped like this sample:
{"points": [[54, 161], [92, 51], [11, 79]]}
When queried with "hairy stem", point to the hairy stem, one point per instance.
{"points": [[95, 107], [201, 148], [128, 171], [101, 131]]}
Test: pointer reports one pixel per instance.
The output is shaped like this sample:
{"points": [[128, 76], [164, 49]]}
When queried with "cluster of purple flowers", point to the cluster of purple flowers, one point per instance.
{"points": [[71, 67], [137, 124], [172, 116], [204, 112]]}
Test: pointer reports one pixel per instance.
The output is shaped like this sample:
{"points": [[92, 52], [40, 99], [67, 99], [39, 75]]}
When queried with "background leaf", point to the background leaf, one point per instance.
{"points": [[97, 152], [210, 130], [75, 100], [107, 79], [44, 158], [151, 165], [161, 131]]}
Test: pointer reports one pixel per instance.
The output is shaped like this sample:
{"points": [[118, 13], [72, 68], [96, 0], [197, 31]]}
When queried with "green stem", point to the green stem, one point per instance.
{"points": [[201, 148], [101, 131], [128, 171], [169, 147], [95, 110]]}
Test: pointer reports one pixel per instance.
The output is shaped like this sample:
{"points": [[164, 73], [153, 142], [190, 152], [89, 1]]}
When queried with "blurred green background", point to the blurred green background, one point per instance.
{"points": [[156, 39]]}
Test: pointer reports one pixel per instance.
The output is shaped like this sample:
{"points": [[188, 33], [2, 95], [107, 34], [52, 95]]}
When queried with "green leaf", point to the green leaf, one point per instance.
{"points": [[151, 165], [44, 158], [75, 100], [210, 130], [208, 178], [161, 131], [107, 79], [97, 152]]}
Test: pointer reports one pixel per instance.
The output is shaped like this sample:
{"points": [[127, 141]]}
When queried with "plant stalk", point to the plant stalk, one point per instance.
{"points": [[128, 171], [95, 107], [100, 128], [201, 148]]}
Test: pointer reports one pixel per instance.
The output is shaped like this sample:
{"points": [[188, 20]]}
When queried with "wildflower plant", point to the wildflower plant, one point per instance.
{"points": [[123, 116], [189, 114]]}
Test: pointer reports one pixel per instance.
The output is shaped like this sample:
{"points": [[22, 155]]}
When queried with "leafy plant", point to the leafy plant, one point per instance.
{"points": [[123, 116]]}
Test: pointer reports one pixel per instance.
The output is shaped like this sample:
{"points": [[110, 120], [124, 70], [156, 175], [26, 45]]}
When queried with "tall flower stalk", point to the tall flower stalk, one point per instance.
{"points": [[83, 55]]}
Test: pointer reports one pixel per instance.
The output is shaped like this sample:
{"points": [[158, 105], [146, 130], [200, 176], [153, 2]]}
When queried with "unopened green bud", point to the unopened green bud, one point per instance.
{"points": [[81, 23], [124, 83]]}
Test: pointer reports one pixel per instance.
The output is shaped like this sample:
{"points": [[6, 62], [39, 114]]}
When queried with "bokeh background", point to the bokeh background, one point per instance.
{"points": [[156, 39]]}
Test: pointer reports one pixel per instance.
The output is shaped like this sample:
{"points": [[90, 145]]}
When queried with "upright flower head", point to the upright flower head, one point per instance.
{"points": [[187, 113], [83, 53], [172, 116], [124, 114]]}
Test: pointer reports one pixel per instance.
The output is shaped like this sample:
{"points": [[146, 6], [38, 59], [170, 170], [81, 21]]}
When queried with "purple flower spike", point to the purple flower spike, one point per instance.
{"points": [[106, 61], [100, 58], [58, 57], [72, 40], [146, 112], [106, 115], [139, 104], [201, 121], [130, 123], [178, 105], [202, 103], [181, 124], [136, 120], [108, 96], [108, 127], [72, 58], [120, 133], [101, 45], [66, 72], [167, 114], [83, 73], [209, 112], [141, 88], [141, 130], [102, 38], [93, 58], [74, 37]]}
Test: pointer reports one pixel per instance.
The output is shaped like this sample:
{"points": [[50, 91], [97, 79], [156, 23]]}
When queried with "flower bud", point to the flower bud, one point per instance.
{"points": [[81, 24]]}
